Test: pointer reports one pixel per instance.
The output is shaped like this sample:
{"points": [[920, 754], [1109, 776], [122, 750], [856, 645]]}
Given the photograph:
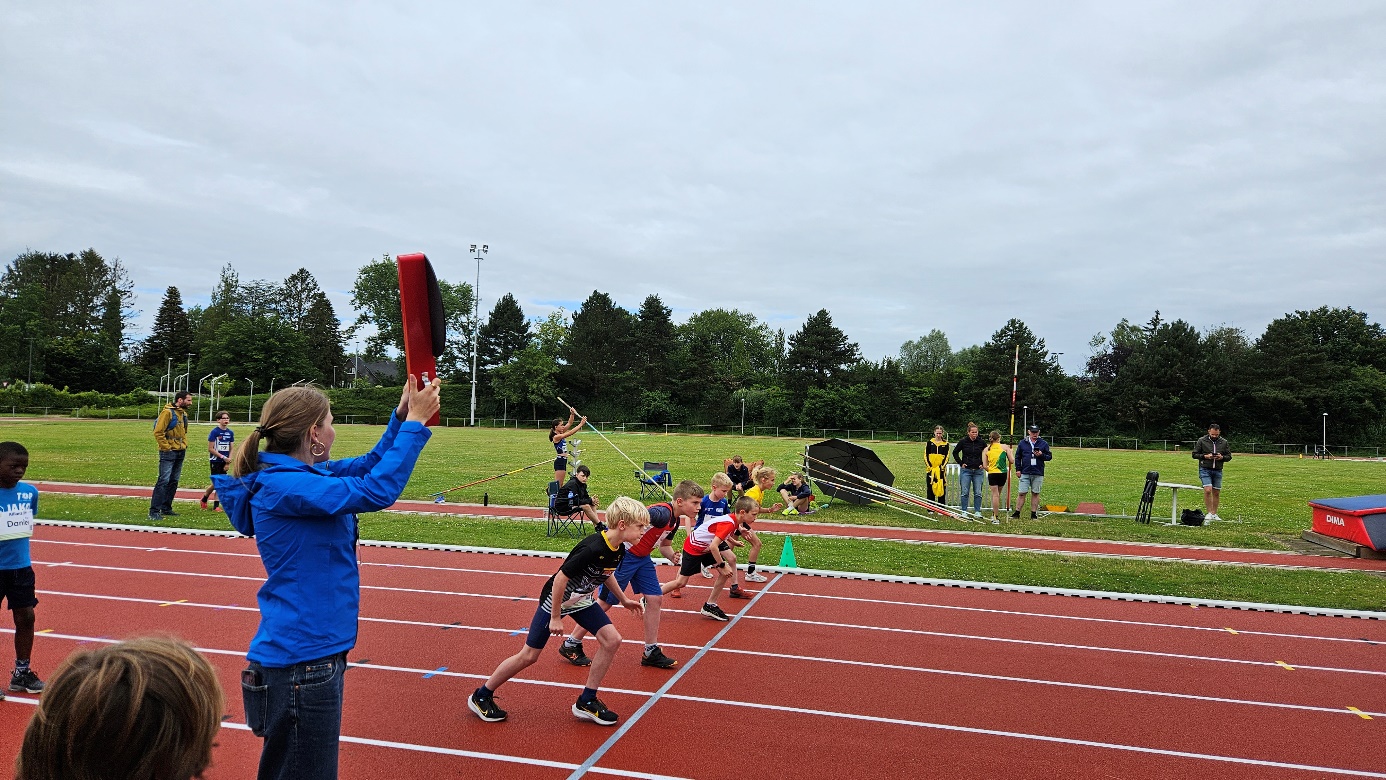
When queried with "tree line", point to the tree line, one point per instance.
{"points": [[1156, 380]]}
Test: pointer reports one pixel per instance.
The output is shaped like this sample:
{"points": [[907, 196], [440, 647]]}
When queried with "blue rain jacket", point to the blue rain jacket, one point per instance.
{"points": [[304, 522]]}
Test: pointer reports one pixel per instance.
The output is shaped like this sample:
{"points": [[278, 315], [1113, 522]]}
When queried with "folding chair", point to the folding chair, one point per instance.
{"points": [[563, 518], [654, 475]]}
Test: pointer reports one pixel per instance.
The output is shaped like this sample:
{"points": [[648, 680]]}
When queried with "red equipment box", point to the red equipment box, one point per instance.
{"points": [[1361, 519]]}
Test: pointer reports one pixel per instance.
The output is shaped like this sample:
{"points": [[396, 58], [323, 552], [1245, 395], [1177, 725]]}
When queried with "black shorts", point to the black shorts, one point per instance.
{"points": [[560, 464], [17, 587], [693, 564], [218, 467], [997, 480]]}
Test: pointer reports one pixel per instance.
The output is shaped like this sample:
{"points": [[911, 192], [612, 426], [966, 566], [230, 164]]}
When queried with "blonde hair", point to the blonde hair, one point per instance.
{"points": [[285, 420], [763, 472], [143, 709], [971, 425], [626, 511], [721, 480]]}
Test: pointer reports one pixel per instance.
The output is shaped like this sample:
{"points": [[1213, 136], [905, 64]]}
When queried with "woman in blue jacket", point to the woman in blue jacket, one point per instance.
{"points": [[301, 508]]}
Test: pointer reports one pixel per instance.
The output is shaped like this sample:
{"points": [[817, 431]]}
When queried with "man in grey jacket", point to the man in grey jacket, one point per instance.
{"points": [[1211, 452]]}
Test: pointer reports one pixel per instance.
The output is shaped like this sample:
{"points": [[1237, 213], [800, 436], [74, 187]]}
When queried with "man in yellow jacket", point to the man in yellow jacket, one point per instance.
{"points": [[171, 434]]}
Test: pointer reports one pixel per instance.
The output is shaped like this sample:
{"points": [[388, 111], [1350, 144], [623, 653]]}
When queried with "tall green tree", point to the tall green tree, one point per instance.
{"points": [[322, 337], [505, 333], [928, 354], [655, 347], [171, 336], [1043, 387], [818, 353], [598, 356], [720, 353], [296, 296], [261, 348], [531, 377]]}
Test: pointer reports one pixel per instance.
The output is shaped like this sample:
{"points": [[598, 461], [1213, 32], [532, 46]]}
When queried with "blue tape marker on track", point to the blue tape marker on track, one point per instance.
{"points": [[435, 671]]}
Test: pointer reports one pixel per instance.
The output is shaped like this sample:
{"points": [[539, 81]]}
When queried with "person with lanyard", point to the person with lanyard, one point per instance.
{"points": [[1030, 456], [935, 456]]}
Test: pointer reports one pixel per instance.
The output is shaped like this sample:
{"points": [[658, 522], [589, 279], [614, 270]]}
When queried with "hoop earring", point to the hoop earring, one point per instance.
{"points": [[317, 449]]}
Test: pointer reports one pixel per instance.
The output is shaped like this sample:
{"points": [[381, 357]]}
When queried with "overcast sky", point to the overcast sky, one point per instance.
{"points": [[906, 166]]}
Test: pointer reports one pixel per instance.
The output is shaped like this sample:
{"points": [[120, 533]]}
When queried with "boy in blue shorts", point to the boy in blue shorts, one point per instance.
{"points": [[18, 506], [592, 562], [638, 570], [219, 443]]}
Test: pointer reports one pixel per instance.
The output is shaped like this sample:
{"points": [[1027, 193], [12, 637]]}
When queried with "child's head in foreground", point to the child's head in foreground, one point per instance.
{"points": [[14, 461], [628, 518], [143, 709]]}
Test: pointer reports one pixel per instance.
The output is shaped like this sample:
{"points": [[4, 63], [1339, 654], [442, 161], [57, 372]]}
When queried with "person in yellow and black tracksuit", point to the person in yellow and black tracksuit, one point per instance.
{"points": [[171, 434], [935, 456]]}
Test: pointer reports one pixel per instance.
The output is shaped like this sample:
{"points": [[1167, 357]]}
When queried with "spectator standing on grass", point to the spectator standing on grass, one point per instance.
{"points": [[1030, 456], [935, 456], [969, 455], [301, 508], [171, 434], [142, 709], [18, 507], [1211, 452]]}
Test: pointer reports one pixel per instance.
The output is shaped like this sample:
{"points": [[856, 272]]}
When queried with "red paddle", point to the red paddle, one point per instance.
{"points": [[421, 307]]}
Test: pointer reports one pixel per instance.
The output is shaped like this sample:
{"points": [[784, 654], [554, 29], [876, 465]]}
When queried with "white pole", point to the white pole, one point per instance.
{"points": [[476, 321], [250, 409], [1325, 433], [743, 415]]}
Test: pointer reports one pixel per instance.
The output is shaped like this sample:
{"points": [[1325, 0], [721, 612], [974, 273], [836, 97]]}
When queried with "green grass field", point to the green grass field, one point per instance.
{"points": [[1268, 493]]}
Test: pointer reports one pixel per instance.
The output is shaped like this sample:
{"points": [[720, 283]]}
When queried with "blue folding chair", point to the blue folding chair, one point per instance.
{"points": [[564, 519], [654, 475]]}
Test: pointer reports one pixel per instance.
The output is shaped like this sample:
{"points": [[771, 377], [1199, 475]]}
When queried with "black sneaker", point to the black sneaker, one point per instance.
{"points": [[26, 682], [574, 654], [715, 612], [486, 708], [658, 659], [1015, 515], [596, 712], [156, 517], [169, 513]]}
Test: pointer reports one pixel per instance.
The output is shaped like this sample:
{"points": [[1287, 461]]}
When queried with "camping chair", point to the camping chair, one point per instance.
{"points": [[564, 519], [654, 476]]}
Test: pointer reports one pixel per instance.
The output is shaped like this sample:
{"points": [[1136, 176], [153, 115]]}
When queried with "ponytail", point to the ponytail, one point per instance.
{"points": [[285, 419]]}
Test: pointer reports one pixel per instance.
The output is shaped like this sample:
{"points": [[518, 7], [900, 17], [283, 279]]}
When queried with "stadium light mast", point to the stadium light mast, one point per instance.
{"points": [[476, 319], [1325, 434]]}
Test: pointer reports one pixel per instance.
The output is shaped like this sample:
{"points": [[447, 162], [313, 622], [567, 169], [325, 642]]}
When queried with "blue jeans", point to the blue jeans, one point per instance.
{"points": [[170, 469], [970, 482], [297, 710]]}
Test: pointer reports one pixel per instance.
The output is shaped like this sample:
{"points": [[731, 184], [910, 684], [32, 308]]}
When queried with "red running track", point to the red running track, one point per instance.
{"points": [[1015, 542], [815, 678]]}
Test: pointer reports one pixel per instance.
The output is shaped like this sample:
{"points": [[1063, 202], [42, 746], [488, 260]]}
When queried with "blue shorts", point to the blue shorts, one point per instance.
{"points": [[638, 571], [591, 618], [1210, 478]]}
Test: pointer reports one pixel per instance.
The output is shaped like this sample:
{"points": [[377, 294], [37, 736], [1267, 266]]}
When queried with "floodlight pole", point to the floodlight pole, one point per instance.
{"points": [[250, 409], [476, 326], [1325, 434], [31, 359], [743, 415], [198, 414]]}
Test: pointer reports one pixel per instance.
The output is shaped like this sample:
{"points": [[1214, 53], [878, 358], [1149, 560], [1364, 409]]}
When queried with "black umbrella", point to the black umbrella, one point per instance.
{"points": [[840, 467]]}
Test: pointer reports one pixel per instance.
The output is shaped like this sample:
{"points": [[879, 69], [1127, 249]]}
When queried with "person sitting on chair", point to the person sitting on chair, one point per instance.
{"points": [[573, 497], [740, 473]]}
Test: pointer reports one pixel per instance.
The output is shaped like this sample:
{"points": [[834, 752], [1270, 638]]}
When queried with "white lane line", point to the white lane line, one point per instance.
{"points": [[857, 626], [1054, 616], [444, 751], [1035, 737], [1061, 645], [663, 689], [765, 654]]}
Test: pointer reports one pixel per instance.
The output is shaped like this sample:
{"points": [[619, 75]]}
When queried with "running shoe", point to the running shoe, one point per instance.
{"points": [[715, 612], [1213, 516], [574, 654], [26, 682], [676, 593], [596, 712], [204, 504], [169, 513], [737, 593], [486, 708], [156, 517], [657, 659], [755, 576], [707, 572], [790, 511]]}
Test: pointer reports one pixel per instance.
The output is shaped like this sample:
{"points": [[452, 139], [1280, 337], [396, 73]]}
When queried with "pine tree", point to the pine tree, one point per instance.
{"points": [[818, 353], [505, 333], [655, 345], [322, 333], [171, 336]]}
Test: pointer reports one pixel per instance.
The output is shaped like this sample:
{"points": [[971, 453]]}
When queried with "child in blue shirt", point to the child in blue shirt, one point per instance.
{"points": [[18, 506], [219, 443]]}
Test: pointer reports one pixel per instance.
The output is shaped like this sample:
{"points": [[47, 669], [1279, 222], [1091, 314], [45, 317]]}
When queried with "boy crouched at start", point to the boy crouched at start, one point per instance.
{"points": [[591, 563]]}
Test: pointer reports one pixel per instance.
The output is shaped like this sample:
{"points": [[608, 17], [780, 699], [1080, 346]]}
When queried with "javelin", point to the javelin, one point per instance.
{"points": [[438, 497], [894, 492], [642, 472], [874, 498], [899, 494]]}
